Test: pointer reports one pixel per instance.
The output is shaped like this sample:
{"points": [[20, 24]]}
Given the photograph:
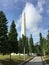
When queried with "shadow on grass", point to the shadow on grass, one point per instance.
{"points": [[8, 62], [12, 62]]}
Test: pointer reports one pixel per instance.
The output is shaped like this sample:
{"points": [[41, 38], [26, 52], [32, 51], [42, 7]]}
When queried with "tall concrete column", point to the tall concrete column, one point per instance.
{"points": [[23, 25], [23, 29]]}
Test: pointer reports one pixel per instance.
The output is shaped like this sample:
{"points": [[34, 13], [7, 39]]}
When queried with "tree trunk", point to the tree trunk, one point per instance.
{"points": [[19, 55], [44, 53], [10, 56]]}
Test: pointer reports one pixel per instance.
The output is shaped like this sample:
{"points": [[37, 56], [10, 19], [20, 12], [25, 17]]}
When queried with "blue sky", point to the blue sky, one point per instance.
{"points": [[38, 11]]}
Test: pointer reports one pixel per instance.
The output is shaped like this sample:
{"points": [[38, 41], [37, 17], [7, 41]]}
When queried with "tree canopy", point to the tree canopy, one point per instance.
{"points": [[12, 37], [3, 33]]}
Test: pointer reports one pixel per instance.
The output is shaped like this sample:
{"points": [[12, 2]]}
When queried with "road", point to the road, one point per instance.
{"points": [[36, 61]]}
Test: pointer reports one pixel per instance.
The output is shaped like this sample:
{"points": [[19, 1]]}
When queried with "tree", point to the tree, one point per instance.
{"points": [[20, 45], [27, 46], [24, 44], [41, 43], [3, 33], [47, 44], [41, 39], [44, 46], [12, 37], [31, 44], [37, 49]]}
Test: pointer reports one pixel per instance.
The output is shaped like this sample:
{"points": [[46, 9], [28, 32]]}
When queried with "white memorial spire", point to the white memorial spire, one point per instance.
{"points": [[23, 25]]}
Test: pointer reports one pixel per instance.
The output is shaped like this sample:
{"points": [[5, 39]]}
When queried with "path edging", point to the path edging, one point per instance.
{"points": [[44, 62], [26, 61]]}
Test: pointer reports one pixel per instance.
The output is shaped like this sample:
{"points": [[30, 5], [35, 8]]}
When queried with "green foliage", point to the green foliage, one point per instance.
{"points": [[3, 33], [12, 37], [48, 43], [10, 43], [43, 45], [31, 44], [25, 43], [41, 39], [37, 49], [23, 40], [27, 46], [20, 45]]}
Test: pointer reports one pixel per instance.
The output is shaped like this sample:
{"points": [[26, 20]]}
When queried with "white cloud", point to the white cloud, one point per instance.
{"points": [[33, 18], [39, 6]]}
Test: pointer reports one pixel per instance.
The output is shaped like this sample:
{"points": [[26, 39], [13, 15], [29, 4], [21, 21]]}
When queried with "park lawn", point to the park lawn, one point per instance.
{"points": [[47, 59], [15, 60]]}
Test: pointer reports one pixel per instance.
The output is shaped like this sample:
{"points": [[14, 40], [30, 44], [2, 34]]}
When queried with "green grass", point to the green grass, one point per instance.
{"points": [[46, 59], [5, 60]]}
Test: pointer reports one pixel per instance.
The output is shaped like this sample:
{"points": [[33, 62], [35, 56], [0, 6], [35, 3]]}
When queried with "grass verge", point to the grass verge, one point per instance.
{"points": [[15, 60], [46, 58]]}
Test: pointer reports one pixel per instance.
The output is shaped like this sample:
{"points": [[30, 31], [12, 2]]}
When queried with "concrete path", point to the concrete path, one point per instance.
{"points": [[36, 61]]}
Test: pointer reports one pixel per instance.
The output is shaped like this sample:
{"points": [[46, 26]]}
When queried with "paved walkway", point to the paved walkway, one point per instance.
{"points": [[36, 61]]}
